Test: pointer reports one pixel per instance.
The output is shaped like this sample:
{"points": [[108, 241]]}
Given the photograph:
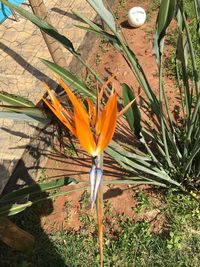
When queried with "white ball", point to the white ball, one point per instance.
{"points": [[136, 16]]}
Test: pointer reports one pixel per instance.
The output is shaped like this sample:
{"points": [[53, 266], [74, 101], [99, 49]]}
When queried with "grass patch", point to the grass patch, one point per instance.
{"points": [[153, 6], [131, 243]]}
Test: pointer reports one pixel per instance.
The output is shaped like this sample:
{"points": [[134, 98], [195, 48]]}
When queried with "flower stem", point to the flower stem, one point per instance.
{"points": [[99, 208]]}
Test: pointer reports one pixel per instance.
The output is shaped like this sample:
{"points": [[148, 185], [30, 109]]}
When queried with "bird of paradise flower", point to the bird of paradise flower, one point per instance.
{"points": [[94, 129]]}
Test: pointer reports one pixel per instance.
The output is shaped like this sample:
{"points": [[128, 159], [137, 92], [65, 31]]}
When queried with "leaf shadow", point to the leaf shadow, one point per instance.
{"points": [[30, 221]]}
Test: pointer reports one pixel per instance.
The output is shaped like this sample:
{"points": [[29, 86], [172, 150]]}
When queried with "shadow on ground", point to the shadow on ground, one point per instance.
{"points": [[44, 252], [27, 66]]}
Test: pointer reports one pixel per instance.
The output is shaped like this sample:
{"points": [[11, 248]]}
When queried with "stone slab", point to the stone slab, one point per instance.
{"points": [[21, 72], [27, 146]]}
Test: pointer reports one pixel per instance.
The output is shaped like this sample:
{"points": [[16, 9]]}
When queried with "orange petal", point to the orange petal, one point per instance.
{"points": [[107, 123], [84, 134], [61, 117], [104, 86], [57, 105], [75, 102], [54, 100], [91, 111], [101, 119], [98, 125], [100, 94], [127, 107]]}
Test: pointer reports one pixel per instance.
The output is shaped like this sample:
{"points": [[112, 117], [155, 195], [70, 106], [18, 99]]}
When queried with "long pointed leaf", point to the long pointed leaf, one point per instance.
{"points": [[165, 15], [21, 117], [135, 167], [37, 188], [103, 12], [133, 114], [15, 100], [87, 21], [9, 210], [138, 180], [69, 78], [30, 111]]}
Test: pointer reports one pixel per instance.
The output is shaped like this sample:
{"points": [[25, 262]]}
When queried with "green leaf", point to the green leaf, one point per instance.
{"points": [[12, 209], [22, 117], [15, 100], [166, 13], [37, 188], [20, 109], [182, 55], [138, 180], [103, 12], [133, 114], [197, 13], [46, 27], [9, 210], [136, 156], [141, 78], [69, 78], [32, 111], [137, 167], [87, 21]]}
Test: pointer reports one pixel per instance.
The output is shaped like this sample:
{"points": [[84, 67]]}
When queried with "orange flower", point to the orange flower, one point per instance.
{"points": [[93, 130]]}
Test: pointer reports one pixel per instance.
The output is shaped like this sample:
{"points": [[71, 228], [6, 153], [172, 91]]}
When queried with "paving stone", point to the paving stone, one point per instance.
{"points": [[21, 72]]}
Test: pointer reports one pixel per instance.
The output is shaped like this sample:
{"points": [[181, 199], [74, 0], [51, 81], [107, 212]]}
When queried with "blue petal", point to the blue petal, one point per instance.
{"points": [[99, 175], [92, 180]]}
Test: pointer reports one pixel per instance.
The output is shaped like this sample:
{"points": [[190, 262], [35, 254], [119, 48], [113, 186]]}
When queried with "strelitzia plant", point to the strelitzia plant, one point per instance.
{"points": [[171, 152], [94, 128], [173, 157]]}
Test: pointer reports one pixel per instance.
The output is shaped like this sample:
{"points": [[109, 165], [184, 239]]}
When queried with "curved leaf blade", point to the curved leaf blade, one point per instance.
{"points": [[133, 115], [103, 12], [8, 210], [165, 15], [69, 78], [38, 188], [22, 117], [87, 21], [15, 100]]}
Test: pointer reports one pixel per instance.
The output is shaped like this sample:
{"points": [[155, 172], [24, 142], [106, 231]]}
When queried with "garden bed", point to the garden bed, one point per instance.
{"points": [[106, 61], [144, 226]]}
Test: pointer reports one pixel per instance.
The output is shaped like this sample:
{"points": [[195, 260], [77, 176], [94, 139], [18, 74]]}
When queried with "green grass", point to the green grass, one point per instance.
{"points": [[126, 242], [143, 201], [152, 6], [129, 244]]}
